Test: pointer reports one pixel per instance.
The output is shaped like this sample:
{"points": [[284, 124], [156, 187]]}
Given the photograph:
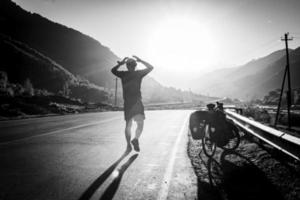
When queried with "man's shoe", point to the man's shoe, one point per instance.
{"points": [[135, 144]]}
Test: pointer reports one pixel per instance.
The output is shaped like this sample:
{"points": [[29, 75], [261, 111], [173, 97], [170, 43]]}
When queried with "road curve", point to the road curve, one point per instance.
{"points": [[82, 157]]}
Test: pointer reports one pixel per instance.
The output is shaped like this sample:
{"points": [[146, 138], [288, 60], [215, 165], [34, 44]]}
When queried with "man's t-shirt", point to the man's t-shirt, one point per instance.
{"points": [[131, 83]]}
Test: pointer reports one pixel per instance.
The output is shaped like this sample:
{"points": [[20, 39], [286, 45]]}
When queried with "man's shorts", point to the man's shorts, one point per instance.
{"points": [[138, 118], [131, 109]]}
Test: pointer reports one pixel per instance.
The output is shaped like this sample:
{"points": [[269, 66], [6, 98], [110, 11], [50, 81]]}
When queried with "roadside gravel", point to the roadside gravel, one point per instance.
{"points": [[253, 171]]}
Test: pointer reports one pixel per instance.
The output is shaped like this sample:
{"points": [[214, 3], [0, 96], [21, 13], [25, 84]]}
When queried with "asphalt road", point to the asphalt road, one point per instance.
{"points": [[82, 157]]}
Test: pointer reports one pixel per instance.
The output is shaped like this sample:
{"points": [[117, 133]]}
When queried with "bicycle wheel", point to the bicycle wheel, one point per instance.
{"points": [[208, 146], [234, 141]]}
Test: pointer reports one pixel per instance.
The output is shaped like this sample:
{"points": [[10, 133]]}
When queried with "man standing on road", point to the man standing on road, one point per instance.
{"points": [[133, 106]]}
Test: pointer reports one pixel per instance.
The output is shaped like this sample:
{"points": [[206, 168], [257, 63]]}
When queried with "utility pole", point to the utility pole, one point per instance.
{"points": [[289, 92], [288, 74], [116, 92]]}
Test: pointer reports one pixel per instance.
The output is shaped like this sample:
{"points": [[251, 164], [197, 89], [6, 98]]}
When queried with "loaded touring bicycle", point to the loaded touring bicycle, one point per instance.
{"points": [[214, 129]]}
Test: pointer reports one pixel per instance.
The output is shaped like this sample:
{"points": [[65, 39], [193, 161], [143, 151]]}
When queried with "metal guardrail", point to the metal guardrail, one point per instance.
{"points": [[284, 142]]}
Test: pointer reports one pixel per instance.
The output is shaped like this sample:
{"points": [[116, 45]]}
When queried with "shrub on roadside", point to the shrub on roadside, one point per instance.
{"points": [[258, 114], [6, 110], [28, 88], [295, 119]]}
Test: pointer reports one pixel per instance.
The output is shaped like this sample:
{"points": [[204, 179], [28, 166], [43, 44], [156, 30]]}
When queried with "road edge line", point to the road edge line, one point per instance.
{"points": [[164, 190]]}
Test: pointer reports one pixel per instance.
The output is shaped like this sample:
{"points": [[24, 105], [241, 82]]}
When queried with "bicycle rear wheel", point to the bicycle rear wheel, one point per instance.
{"points": [[209, 147], [234, 142]]}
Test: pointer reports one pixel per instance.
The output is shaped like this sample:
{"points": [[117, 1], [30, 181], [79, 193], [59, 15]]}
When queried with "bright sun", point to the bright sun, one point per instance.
{"points": [[181, 43]]}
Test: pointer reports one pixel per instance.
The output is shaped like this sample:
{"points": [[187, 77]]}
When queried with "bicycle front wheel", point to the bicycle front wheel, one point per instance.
{"points": [[209, 147]]}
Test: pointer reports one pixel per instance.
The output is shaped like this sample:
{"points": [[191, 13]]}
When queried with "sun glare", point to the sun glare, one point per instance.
{"points": [[181, 43]]}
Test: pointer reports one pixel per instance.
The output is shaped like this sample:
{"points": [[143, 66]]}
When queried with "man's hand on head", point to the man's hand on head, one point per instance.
{"points": [[123, 61], [147, 65], [137, 58]]}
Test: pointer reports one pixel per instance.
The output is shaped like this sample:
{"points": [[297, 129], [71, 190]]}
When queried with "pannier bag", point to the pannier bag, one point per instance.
{"points": [[223, 131], [196, 124]]}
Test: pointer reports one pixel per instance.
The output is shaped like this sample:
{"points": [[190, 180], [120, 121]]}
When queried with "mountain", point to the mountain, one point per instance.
{"points": [[76, 52], [60, 59], [252, 80], [22, 63]]}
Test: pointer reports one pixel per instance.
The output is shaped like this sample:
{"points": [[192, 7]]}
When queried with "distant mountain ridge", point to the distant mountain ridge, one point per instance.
{"points": [[252, 80]]}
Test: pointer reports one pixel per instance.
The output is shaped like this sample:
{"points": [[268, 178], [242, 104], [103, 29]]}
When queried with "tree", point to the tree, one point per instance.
{"points": [[3, 80], [28, 88], [66, 90]]}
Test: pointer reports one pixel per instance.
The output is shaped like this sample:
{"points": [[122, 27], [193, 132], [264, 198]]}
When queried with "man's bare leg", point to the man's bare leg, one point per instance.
{"points": [[128, 133], [140, 125], [139, 129]]}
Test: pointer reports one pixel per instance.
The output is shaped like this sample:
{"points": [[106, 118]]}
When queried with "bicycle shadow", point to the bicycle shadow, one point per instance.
{"points": [[205, 189], [88, 193], [207, 192], [239, 178]]}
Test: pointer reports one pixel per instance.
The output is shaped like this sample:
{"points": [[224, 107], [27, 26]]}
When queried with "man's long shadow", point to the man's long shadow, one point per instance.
{"points": [[113, 187], [100, 180]]}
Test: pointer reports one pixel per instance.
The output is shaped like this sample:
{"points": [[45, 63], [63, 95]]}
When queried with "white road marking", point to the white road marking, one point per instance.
{"points": [[57, 131], [164, 189]]}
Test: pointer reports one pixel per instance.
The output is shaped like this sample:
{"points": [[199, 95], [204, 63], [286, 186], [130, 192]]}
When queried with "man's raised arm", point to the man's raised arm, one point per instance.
{"points": [[148, 66], [114, 70]]}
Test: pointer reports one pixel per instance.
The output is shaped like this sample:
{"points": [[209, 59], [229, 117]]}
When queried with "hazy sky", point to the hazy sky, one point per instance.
{"points": [[187, 37]]}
